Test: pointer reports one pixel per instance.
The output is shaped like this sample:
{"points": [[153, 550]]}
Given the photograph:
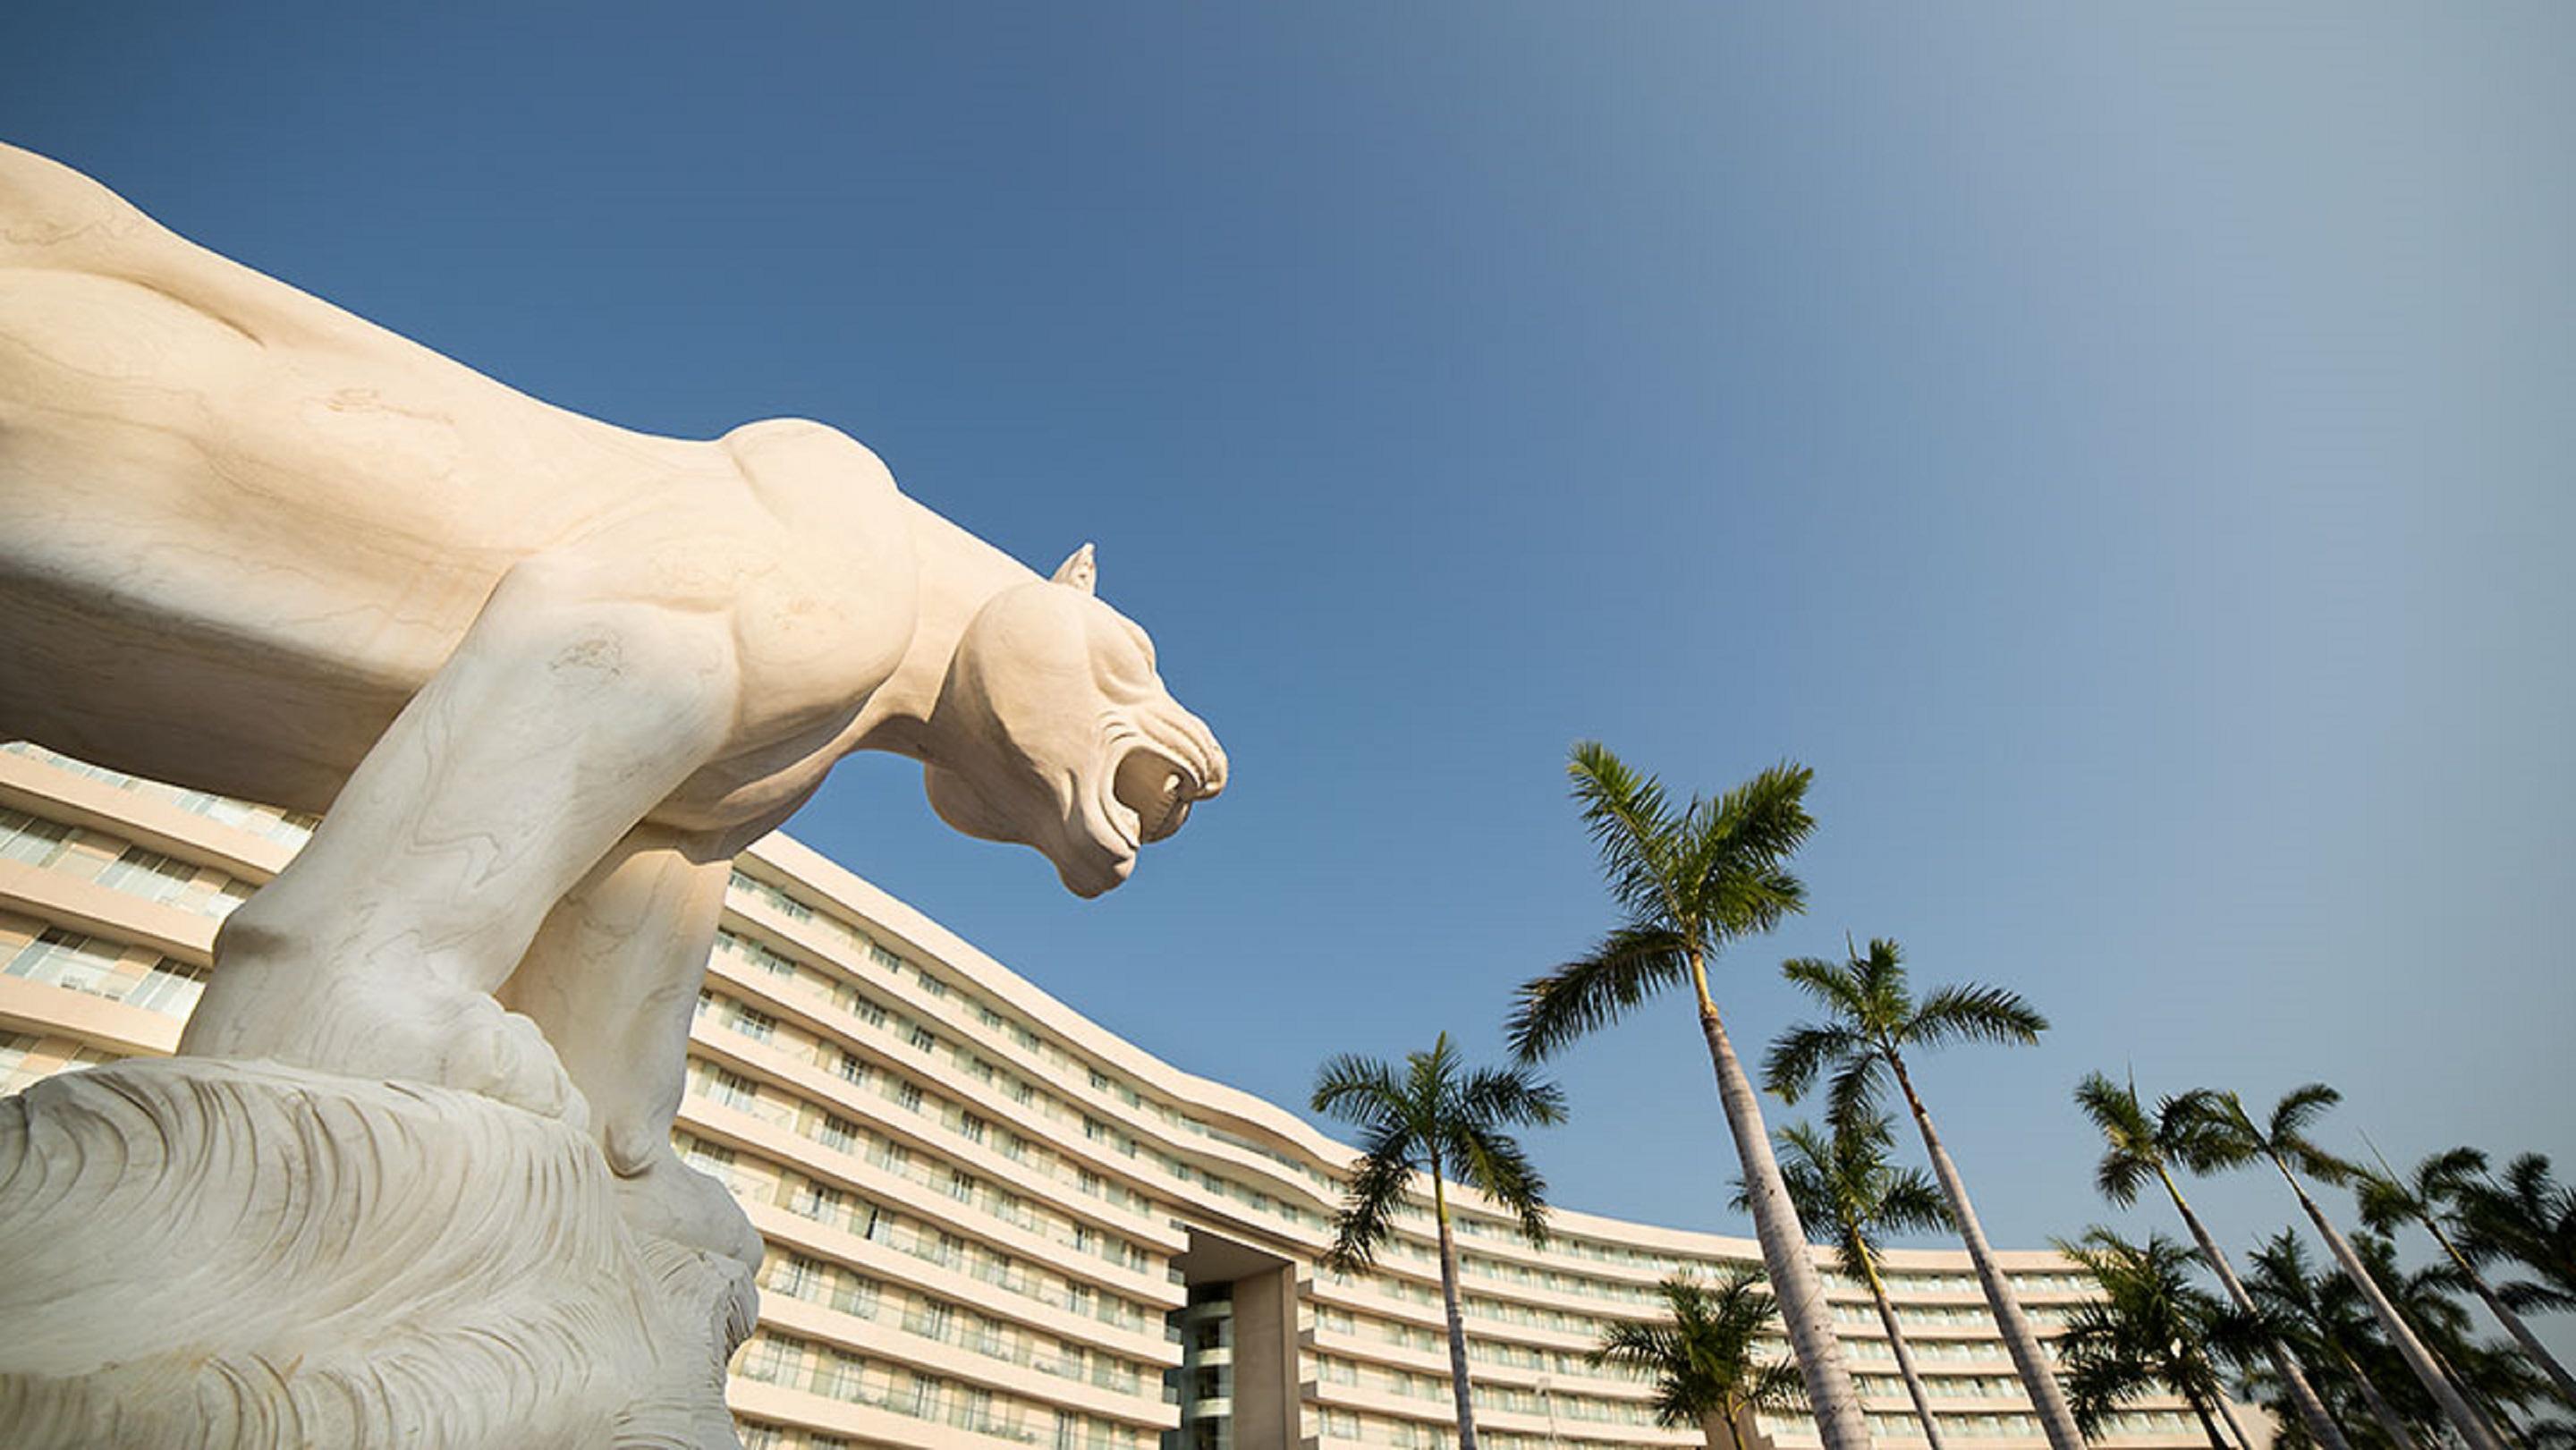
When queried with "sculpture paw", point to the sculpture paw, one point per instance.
{"points": [[413, 1033]]}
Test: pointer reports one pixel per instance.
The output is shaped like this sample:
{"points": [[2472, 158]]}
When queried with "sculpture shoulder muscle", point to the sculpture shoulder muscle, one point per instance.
{"points": [[833, 619]]}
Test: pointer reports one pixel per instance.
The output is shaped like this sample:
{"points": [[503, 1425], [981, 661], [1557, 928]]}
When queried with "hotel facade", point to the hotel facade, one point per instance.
{"points": [[991, 1221]]}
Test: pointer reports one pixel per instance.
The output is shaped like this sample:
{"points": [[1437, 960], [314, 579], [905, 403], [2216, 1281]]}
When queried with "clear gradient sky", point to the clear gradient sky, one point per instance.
{"points": [[2127, 455]]}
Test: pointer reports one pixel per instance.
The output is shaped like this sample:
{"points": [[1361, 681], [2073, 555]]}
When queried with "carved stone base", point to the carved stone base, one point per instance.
{"points": [[209, 1255]]}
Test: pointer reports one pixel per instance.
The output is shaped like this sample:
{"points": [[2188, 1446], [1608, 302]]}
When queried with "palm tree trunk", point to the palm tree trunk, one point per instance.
{"points": [[1715, 1422], [1785, 1255], [2391, 1424], [2046, 1400], [2473, 1430], [2294, 1380], [1457, 1323], [2489, 1413], [2208, 1426], [1896, 1341], [2511, 1321], [2235, 1426]]}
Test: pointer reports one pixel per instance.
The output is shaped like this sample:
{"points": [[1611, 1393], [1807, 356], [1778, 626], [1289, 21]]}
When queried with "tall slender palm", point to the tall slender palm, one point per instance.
{"points": [[2150, 1328], [1435, 1117], [2226, 1137], [2325, 1316], [1873, 1020], [1705, 1360], [2490, 1377], [1688, 880], [2526, 1217], [2433, 1196], [2138, 1146], [1848, 1195]]}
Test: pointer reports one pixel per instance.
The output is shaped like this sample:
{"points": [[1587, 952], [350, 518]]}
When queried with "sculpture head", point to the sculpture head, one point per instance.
{"points": [[1053, 730]]}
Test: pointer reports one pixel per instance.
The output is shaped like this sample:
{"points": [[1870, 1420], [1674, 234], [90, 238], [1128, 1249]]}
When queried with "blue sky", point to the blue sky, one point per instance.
{"points": [[2126, 455]]}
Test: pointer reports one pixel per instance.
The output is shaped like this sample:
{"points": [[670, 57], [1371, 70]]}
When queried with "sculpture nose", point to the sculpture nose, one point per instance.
{"points": [[1211, 761]]}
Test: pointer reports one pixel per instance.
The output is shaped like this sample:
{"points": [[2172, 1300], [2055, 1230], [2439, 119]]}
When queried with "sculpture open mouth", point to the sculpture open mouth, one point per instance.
{"points": [[1150, 793]]}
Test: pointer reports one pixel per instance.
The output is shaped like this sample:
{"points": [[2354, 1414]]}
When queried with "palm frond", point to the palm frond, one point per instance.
{"points": [[1585, 995], [1971, 1012], [1798, 1055], [1512, 1095], [1499, 1168], [2130, 1152], [1355, 1089], [2299, 1107], [1745, 835], [1855, 1088], [1910, 1203], [2207, 1131], [1376, 1197], [1631, 823]]}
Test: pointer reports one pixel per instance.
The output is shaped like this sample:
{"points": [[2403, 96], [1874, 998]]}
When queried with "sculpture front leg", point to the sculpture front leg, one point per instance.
{"points": [[562, 718], [613, 980]]}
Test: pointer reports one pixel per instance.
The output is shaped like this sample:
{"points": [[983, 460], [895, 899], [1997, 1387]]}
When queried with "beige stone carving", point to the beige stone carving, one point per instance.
{"points": [[542, 676]]}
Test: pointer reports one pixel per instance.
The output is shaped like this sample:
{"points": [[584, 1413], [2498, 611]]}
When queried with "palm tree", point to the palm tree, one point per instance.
{"points": [[1434, 1117], [2324, 1315], [1703, 1359], [2528, 1218], [2150, 1328], [2226, 1137], [2136, 1147], [1688, 881], [2489, 1377], [1847, 1195], [2434, 1196], [1874, 1019]]}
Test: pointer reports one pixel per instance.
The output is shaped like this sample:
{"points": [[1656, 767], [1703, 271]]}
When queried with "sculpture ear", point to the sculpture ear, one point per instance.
{"points": [[1079, 570]]}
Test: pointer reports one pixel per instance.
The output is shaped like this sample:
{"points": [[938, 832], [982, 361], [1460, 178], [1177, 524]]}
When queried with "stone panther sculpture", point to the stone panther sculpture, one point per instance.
{"points": [[543, 677]]}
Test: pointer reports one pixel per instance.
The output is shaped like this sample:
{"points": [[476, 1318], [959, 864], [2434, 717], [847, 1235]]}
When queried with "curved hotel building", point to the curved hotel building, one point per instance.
{"points": [[989, 1220]]}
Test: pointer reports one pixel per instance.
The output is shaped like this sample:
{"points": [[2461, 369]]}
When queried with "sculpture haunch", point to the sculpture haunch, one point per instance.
{"points": [[543, 676]]}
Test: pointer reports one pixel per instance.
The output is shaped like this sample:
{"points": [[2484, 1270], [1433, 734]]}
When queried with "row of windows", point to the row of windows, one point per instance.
{"points": [[771, 1357], [1332, 1369], [289, 828], [1349, 1427], [841, 1209], [102, 968], [820, 1124], [926, 1316], [85, 856], [27, 1057]]}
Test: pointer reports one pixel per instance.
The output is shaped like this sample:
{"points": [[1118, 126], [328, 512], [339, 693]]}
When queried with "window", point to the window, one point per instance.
{"points": [[168, 987], [970, 1127], [797, 1277], [816, 1200], [756, 1025], [26, 838], [839, 1376], [852, 1068], [149, 874], [908, 1093], [923, 1038], [839, 1134], [884, 958], [734, 1090], [930, 986], [770, 1360], [67, 959]]}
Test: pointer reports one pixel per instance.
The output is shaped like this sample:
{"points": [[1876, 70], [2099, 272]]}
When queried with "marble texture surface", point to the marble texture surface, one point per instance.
{"points": [[542, 676], [266, 1257]]}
